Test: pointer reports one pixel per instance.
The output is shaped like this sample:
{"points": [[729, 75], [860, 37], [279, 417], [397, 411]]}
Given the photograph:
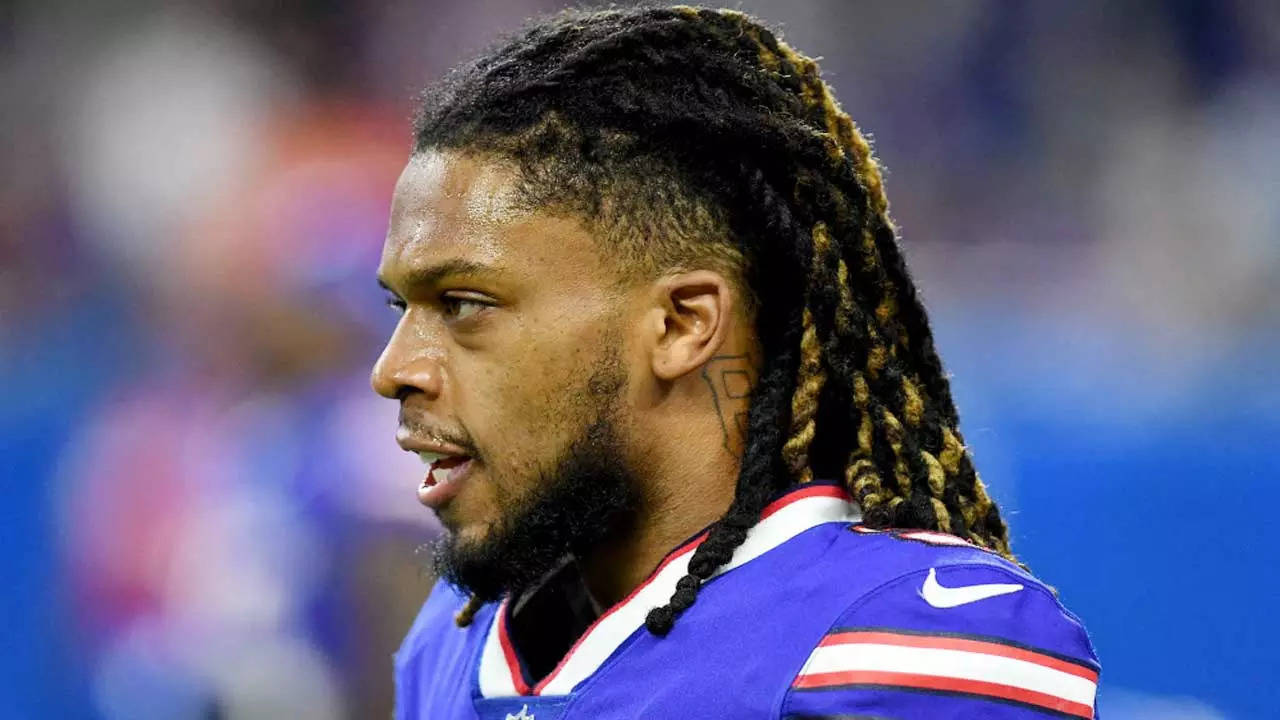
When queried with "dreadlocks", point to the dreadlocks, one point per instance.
{"points": [[695, 137]]}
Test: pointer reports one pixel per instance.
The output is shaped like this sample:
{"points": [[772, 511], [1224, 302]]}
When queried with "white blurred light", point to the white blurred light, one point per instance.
{"points": [[1122, 704], [140, 677], [243, 560], [276, 677], [381, 480], [164, 121]]}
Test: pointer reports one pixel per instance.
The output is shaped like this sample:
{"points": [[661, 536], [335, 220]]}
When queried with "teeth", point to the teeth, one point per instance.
{"points": [[429, 457], [440, 475]]}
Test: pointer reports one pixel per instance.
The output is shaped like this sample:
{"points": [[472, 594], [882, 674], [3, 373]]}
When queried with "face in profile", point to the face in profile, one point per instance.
{"points": [[509, 364]]}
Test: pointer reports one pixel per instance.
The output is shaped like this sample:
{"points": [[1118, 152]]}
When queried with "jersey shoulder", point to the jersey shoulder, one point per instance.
{"points": [[433, 663], [435, 615], [938, 627]]}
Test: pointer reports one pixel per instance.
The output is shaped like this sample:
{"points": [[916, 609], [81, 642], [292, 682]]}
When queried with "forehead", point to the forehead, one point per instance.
{"points": [[451, 206]]}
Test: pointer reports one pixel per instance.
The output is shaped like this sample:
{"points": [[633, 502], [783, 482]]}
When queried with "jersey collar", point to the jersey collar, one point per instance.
{"points": [[797, 510]]}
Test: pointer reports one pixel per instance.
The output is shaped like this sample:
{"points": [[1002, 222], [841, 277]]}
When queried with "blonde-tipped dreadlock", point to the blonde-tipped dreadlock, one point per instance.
{"points": [[804, 403], [847, 145], [688, 135], [887, 334]]}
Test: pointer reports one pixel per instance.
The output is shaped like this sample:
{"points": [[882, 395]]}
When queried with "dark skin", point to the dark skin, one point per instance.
{"points": [[504, 314]]}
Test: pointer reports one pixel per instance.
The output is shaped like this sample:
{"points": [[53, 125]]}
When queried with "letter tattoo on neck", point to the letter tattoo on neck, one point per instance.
{"points": [[731, 378]]}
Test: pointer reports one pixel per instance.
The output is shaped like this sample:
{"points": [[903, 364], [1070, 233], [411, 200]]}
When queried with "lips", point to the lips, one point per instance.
{"points": [[445, 474]]}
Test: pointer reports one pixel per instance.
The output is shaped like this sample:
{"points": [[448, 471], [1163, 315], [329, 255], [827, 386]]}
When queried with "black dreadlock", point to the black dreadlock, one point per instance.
{"points": [[694, 136]]}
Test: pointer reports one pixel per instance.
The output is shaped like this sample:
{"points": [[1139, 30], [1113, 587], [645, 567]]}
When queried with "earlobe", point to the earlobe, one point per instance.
{"points": [[696, 314]]}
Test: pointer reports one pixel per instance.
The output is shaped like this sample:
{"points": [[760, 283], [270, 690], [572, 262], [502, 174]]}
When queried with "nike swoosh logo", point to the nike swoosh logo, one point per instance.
{"points": [[949, 597]]}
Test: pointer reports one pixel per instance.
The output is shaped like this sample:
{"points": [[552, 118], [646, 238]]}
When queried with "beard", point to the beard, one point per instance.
{"points": [[587, 496]]}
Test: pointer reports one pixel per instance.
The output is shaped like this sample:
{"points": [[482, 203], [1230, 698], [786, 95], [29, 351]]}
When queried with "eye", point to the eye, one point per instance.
{"points": [[460, 308], [396, 304]]}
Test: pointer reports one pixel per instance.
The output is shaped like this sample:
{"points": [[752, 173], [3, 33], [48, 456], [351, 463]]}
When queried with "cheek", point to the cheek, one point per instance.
{"points": [[527, 412]]}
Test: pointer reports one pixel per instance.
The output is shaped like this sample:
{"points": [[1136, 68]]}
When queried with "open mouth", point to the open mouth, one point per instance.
{"points": [[442, 468], [444, 474]]}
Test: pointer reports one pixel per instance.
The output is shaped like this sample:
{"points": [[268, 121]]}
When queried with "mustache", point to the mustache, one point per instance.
{"points": [[420, 428]]}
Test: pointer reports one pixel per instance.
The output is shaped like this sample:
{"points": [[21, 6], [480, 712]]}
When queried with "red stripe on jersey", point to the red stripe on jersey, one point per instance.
{"points": [[509, 652], [935, 538], [909, 681], [814, 491], [944, 642]]}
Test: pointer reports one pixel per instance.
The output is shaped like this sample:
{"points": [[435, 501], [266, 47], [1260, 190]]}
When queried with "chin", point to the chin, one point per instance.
{"points": [[469, 536]]}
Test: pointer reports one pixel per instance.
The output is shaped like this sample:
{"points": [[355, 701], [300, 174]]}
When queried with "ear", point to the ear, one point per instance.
{"points": [[691, 321]]}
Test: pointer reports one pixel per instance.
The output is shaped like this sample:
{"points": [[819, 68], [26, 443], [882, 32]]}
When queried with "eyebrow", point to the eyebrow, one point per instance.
{"points": [[433, 274]]}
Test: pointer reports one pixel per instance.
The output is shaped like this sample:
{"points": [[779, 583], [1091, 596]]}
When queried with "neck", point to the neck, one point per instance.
{"points": [[690, 474], [682, 497]]}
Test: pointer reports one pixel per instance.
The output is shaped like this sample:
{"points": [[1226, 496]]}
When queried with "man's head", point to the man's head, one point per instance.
{"points": [[599, 211], [542, 365]]}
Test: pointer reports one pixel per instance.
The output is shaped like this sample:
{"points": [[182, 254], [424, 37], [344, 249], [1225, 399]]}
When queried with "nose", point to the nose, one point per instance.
{"points": [[403, 369]]}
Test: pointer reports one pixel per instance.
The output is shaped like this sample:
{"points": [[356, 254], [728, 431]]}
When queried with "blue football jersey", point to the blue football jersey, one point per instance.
{"points": [[816, 616]]}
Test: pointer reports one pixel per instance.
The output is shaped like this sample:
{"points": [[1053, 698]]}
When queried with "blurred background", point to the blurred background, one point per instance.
{"points": [[205, 513]]}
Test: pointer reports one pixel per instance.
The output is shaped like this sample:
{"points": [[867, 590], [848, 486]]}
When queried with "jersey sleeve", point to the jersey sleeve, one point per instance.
{"points": [[953, 641]]}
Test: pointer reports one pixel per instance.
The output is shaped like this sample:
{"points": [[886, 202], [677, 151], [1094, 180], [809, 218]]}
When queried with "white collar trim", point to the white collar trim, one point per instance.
{"points": [[797, 511]]}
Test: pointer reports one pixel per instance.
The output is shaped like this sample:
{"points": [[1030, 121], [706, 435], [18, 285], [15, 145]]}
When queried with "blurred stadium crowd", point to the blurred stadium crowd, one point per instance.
{"points": [[205, 512]]}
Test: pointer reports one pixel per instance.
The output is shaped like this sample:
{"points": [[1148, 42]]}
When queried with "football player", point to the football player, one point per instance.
{"points": [[679, 403]]}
